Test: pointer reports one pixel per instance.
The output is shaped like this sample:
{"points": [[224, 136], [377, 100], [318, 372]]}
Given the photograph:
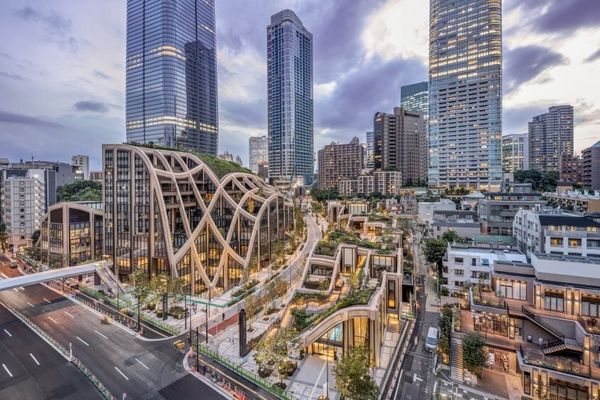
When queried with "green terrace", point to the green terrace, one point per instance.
{"points": [[328, 246]]}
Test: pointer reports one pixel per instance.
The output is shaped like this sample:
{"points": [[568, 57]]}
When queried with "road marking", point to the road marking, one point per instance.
{"points": [[53, 320], [47, 301], [70, 315], [30, 305], [82, 341], [7, 371], [4, 275], [118, 370], [22, 289], [416, 378], [34, 359], [142, 364], [7, 332], [15, 289], [101, 334]]}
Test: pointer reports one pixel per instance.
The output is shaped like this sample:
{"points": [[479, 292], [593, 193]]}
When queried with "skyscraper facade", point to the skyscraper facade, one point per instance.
{"points": [[290, 100], [465, 93], [171, 79], [257, 151], [403, 144], [515, 152], [551, 138], [415, 97], [591, 166], [370, 151]]}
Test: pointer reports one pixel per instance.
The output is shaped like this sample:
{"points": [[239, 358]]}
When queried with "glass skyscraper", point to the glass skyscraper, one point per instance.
{"points": [[171, 88], [415, 97], [290, 91], [465, 93]]}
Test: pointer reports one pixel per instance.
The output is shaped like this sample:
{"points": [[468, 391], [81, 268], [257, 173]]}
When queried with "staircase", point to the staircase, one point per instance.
{"points": [[107, 276], [457, 371], [562, 345], [542, 324]]}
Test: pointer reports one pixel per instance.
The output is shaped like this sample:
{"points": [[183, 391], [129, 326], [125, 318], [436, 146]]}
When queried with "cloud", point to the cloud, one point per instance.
{"points": [[101, 75], [20, 119], [593, 57], [523, 64], [565, 16], [91, 106], [15, 77], [57, 27]]}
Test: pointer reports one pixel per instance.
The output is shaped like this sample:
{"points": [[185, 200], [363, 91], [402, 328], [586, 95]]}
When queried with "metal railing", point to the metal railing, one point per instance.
{"points": [[257, 380]]}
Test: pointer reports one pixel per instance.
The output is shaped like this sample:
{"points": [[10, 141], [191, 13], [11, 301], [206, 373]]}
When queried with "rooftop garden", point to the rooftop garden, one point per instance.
{"points": [[218, 166], [328, 246], [483, 298]]}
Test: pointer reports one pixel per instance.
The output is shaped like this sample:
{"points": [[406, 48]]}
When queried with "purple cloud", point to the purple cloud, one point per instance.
{"points": [[523, 64]]}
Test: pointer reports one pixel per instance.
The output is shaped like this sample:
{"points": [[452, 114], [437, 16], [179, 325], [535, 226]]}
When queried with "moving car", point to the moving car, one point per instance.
{"points": [[432, 339]]}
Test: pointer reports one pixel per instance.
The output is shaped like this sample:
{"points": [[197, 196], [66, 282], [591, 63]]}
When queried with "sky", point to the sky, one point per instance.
{"points": [[62, 76]]}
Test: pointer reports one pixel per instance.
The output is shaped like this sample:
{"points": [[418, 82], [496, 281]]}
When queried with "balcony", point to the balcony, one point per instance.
{"points": [[533, 355], [486, 301]]}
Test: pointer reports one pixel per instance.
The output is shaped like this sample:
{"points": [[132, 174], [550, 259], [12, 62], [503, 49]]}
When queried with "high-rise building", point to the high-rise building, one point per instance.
{"points": [[415, 97], [290, 100], [339, 161], [171, 78], [515, 152], [465, 93], [83, 163], [570, 169], [403, 144], [370, 151], [257, 146], [590, 166], [551, 136]]}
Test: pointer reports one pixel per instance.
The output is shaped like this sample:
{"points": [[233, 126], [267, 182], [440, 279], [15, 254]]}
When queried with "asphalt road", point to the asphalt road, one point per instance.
{"points": [[30, 369], [123, 362]]}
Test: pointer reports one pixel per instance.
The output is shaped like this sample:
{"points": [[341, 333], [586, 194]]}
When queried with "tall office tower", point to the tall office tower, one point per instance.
{"points": [[370, 151], [83, 163], [339, 161], [465, 93], [258, 151], [550, 136], [415, 97], [171, 79], [403, 144], [290, 87], [515, 152]]}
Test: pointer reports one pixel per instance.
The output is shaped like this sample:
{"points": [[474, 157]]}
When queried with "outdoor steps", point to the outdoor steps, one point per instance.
{"points": [[109, 278], [457, 372], [567, 344], [536, 319]]}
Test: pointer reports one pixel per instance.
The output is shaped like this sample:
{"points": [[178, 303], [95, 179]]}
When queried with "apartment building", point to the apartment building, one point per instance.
{"points": [[590, 167], [339, 161], [556, 232], [385, 183]]}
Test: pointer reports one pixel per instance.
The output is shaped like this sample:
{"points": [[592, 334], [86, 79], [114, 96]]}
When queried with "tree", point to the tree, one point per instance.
{"points": [[445, 324], [434, 250], [451, 237], [141, 290], [272, 350], [541, 391], [158, 287], [3, 237], [474, 357], [540, 181], [80, 191], [352, 377]]}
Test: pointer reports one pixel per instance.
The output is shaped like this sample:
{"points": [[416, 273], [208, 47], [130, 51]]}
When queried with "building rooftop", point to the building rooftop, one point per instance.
{"points": [[568, 220], [494, 239]]}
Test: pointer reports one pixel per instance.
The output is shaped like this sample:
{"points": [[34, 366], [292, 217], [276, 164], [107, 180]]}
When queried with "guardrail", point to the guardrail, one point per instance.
{"points": [[95, 381], [257, 380]]}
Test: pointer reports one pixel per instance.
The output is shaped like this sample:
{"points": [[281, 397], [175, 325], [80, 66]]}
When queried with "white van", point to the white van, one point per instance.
{"points": [[432, 339]]}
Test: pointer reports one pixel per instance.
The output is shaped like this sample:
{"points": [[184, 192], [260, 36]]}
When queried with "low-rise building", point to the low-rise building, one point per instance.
{"points": [[426, 209], [574, 200], [556, 232], [464, 223], [466, 265], [497, 210], [539, 321]]}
